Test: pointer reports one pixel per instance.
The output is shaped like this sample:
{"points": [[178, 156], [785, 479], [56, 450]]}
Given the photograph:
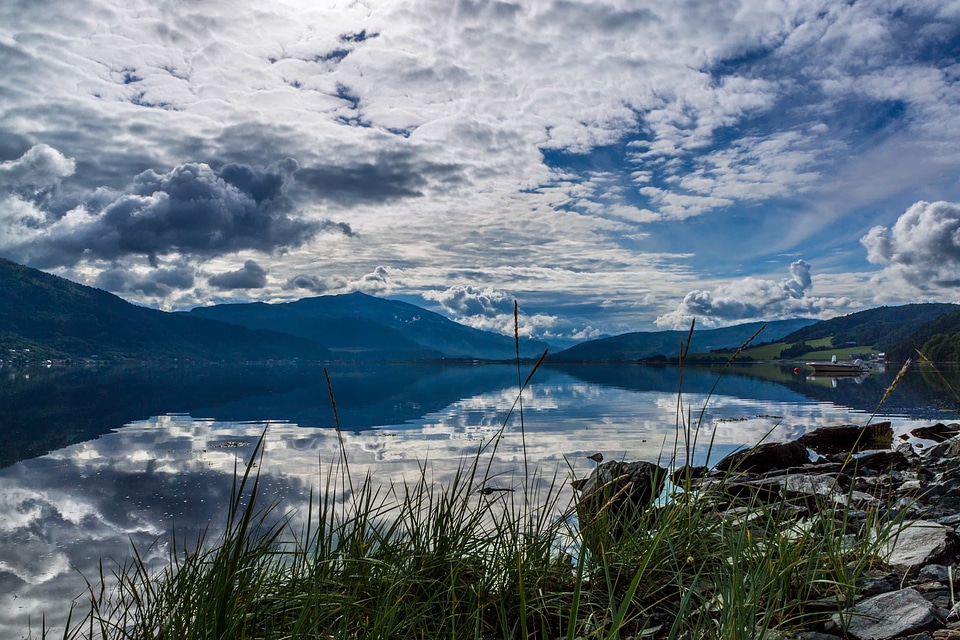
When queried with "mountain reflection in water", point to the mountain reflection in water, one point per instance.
{"points": [[137, 451]]}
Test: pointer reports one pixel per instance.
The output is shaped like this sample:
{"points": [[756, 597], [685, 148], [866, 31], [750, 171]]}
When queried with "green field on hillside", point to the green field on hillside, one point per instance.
{"points": [[823, 351]]}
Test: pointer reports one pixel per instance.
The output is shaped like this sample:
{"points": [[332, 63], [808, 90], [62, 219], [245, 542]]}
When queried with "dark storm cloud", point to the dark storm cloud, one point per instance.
{"points": [[251, 276], [261, 183], [193, 209], [158, 282]]}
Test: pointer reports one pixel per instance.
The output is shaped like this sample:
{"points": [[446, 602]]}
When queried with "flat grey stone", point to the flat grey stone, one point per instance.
{"points": [[888, 615], [920, 543]]}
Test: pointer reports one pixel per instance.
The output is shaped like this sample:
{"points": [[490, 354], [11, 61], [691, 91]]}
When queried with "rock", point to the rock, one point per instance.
{"points": [[946, 634], [949, 449], [888, 615], [950, 521], [617, 490], [920, 543], [848, 438], [681, 474], [766, 457], [910, 487], [882, 461], [938, 432], [879, 584], [934, 572], [940, 598]]}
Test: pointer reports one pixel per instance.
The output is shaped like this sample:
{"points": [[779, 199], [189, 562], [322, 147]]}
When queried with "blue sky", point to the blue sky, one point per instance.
{"points": [[614, 166]]}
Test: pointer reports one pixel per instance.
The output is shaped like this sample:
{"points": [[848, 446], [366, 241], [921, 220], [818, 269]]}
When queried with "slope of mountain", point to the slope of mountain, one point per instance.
{"points": [[54, 317], [883, 327], [938, 339], [644, 344], [372, 327]]}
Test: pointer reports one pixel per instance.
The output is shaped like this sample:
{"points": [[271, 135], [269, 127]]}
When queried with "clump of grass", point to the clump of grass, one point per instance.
{"points": [[467, 560]]}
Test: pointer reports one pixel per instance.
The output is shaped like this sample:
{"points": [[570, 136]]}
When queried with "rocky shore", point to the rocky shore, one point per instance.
{"points": [[853, 474]]}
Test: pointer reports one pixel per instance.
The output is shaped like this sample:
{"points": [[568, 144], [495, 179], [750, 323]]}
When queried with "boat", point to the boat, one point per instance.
{"points": [[836, 367]]}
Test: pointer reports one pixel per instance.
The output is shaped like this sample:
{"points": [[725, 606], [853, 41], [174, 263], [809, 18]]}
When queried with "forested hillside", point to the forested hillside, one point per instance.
{"points": [[883, 328]]}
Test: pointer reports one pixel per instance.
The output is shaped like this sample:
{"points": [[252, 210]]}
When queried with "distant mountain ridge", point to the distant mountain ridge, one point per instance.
{"points": [[365, 326], [55, 318], [51, 317], [630, 347]]}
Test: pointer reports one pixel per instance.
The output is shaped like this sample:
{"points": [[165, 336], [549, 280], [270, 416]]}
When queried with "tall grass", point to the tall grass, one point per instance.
{"points": [[467, 559]]}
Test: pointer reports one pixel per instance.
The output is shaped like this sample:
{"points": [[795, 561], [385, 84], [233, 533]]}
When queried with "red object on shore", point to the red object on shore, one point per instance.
{"points": [[796, 371]]}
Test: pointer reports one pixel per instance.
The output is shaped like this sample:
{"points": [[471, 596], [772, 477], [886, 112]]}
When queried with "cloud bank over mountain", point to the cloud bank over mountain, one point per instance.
{"points": [[753, 299]]}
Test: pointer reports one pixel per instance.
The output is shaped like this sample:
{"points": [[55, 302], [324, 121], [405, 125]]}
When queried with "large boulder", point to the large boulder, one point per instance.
{"points": [[766, 457], [617, 492], [848, 438], [938, 433]]}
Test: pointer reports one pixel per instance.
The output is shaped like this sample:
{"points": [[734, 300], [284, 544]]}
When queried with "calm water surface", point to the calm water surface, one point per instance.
{"points": [[93, 459]]}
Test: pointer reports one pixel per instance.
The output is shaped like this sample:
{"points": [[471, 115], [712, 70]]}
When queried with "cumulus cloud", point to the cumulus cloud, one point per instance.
{"points": [[491, 309], [25, 185], [922, 248], [39, 169], [751, 299], [467, 300], [376, 281], [250, 276], [192, 210]]}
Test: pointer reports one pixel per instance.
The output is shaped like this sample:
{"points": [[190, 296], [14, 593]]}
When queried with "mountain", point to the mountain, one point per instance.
{"points": [[56, 318], [363, 326], [645, 344], [882, 328]]}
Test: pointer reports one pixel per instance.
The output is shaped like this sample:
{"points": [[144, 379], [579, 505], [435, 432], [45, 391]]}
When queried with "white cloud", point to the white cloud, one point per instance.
{"points": [[490, 309], [39, 169], [377, 281], [751, 298], [921, 250], [467, 300]]}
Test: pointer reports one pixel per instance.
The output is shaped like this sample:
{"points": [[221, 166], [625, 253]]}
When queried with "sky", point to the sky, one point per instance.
{"points": [[613, 166]]}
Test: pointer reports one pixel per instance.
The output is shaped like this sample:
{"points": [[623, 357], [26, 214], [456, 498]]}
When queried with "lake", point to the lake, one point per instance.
{"points": [[93, 459]]}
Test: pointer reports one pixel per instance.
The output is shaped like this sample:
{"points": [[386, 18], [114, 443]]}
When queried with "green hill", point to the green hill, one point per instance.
{"points": [[883, 328]]}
